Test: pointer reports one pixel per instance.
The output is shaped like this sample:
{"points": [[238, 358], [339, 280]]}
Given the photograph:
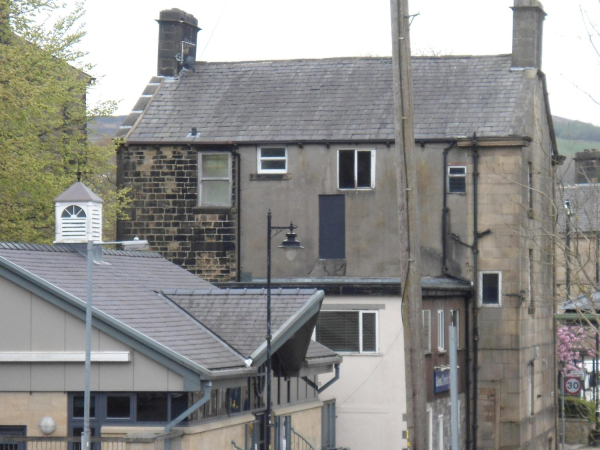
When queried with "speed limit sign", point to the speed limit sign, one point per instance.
{"points": [[572, 385]]}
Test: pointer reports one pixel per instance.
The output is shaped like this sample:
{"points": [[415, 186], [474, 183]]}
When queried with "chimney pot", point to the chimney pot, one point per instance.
{"points": [[528, 21]]}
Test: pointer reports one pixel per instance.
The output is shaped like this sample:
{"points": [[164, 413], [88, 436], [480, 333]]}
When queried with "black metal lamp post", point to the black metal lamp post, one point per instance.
{"points": [[291, 247]]}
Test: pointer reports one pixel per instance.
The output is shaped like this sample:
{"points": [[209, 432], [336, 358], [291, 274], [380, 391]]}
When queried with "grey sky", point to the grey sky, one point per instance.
{"points": [[122, 38]]}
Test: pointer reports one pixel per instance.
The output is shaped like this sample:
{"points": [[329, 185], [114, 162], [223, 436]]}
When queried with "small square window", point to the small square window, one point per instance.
{"points": [[118, 406], [457, 179], [78, 406], [356, 169], [490, 288], [272, 160], [152, 407]]}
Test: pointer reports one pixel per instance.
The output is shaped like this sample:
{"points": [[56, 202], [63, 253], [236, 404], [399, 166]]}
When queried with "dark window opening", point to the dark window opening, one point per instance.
{"points": [[332, 227], [152, 407], [118, 407], [369, 334], [457, 179], [490, 288], [355, 169], [78, 406]]}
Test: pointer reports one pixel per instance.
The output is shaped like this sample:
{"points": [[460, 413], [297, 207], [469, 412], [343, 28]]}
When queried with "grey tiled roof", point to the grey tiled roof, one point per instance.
{"points": [[129, 286], [78, 192], [585, 207], [238, 316], [330, 99]]}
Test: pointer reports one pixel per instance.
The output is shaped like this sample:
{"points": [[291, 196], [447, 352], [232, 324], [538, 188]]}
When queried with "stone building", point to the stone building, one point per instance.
{"points": [[207, 153]]}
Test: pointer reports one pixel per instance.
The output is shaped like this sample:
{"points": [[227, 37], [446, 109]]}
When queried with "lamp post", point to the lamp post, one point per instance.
{"points": [[136, 244], [291, 247]]}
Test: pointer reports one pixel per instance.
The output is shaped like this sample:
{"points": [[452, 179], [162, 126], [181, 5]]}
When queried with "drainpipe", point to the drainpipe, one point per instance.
{"points": [[206, 386], [444, 207], [312, 384], [475, 287], [239, 215]]}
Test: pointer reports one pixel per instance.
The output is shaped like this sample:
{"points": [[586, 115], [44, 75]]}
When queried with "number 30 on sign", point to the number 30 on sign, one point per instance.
{"points": [[572, 385]]}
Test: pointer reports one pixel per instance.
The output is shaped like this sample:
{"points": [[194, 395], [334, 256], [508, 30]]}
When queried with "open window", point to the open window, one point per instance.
{"points": [[356, 169]]}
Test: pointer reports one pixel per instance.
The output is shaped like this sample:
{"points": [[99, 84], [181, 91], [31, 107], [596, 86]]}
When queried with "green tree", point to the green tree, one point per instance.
{"points": [[43, 116]]}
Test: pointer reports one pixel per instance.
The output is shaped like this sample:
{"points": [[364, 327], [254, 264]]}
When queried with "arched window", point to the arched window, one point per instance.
{"points": [[73, 212]]}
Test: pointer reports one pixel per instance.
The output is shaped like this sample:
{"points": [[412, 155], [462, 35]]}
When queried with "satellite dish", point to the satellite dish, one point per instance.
{"points": [[189, 62]]}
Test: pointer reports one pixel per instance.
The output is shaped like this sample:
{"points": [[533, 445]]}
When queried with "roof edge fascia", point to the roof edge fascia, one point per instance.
{"points": [[289, 328], [19, 274]]}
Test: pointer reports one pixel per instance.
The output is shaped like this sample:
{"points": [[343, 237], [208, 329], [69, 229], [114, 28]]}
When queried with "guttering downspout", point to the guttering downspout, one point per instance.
{"points": [[475, 287], [239, 215], [206, 385], [445, 207], [326, 385]]}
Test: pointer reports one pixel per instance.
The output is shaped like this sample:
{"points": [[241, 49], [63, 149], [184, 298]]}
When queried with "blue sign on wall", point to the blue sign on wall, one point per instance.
{"points": [[441, 380]]}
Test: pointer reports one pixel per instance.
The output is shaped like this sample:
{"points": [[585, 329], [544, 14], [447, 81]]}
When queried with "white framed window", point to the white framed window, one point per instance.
{"points": [[429, 428], [441, 330], [441, 432], [490, 288], [426, 331], [457, 179], [530, 281], [349, 331], [214, 179], [271, 160], [356, 169]]}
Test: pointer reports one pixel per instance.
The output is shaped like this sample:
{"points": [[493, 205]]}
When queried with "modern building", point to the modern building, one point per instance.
{"points": [[163, 341], [211, 147]]}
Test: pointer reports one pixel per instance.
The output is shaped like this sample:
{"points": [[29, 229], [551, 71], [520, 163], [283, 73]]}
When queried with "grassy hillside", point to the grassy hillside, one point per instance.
{"points": [[103, 128]]}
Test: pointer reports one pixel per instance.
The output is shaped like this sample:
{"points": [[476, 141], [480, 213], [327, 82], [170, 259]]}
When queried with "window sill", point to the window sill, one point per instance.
{"points": [[358, 354], [270, 176], [442, 351], [458, 193], [212, 209], [356, 189]]}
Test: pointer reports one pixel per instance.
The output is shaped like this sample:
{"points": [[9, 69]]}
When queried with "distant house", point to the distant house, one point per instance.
{"points": [[162, 340], [210, 147]]}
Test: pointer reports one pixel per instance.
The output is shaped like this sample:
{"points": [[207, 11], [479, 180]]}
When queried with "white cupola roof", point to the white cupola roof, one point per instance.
{"points": [[78, 213]]}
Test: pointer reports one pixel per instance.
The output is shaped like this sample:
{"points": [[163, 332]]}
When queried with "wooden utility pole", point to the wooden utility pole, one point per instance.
{"points": [[410, 255]]}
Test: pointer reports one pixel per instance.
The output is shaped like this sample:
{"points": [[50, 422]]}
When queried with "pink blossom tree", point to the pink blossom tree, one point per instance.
{"points": [[570, 342]]}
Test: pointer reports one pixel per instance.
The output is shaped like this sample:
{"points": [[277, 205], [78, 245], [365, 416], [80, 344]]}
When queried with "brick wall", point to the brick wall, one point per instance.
{"points": [[165, 211]]}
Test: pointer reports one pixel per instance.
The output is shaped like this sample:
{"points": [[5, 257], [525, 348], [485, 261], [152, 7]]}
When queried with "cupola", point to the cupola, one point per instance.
{"points": [[78, 213]]}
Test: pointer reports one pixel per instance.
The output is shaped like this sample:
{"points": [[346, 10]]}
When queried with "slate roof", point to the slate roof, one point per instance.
{"points": [[584, 202], [78, 192], [238, 315], [343, 99], [127, 286]]}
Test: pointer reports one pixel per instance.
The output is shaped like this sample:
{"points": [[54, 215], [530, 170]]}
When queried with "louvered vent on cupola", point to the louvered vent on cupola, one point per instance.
{"points": [[78, 213]]}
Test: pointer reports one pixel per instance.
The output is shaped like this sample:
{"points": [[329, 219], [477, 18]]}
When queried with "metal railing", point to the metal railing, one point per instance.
{"points": [[299, 442], [150, 442], [235, 445]]}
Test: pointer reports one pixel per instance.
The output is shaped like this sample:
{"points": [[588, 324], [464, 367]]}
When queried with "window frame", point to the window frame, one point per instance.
{"points": [[360, 331], [480, 289], [373, 160], [201, 179], [441, 322], [427, 349], [449, 175], [260, 159]]}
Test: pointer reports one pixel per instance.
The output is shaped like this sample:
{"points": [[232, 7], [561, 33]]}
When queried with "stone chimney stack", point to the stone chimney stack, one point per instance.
{"points": [[177, 37], [528, 24]]}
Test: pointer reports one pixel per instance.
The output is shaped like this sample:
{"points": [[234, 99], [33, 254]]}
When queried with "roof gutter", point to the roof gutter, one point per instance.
{"points": [[8, 266], [289, 328]]}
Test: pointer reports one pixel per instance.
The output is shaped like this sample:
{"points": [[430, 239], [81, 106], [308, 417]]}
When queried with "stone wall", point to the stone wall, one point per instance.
{"points": [[441, 408], [577, 431], [25, 408], [165, 211]]}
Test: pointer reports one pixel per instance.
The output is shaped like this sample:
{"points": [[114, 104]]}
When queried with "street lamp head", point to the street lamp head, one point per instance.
{"points": [[291, 245]]}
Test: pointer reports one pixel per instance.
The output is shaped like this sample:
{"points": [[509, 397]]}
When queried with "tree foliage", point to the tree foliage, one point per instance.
{"points": [[43, 116]]}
